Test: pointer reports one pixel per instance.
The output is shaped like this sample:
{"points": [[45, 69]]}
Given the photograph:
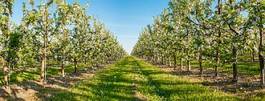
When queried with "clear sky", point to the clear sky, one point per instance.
{"points": [[125, 18]]}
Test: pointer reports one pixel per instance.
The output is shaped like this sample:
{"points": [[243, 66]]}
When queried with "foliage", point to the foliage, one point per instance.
{"points": [[195, 30], [64, 36]]}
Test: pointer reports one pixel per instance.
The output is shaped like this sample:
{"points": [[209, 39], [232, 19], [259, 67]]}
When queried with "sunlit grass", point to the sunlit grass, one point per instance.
{"points": [[133, 79], [129, 77]]}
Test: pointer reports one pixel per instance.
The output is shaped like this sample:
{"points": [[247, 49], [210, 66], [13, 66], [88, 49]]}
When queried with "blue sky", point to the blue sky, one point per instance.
{"points": [[125, 18]]}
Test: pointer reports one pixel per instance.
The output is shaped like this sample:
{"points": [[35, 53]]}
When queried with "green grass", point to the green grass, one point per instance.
{"points": [[244, 68], [131, 79], [34, 73]]}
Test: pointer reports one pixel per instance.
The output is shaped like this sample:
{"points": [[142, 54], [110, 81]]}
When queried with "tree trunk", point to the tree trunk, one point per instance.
{"points": [[200, 62], [166, 62], [75, 65], [62, 68], [217, 63], [175, 61], [234, 64], [188, 51], [261, 63], [44, 49], [170, 61], [218, 42], [44, 59], [158, 60], [43, 66], [253, 55], [189, 66], [181, 64], [162, 60], [188, 61], [261, 56]]}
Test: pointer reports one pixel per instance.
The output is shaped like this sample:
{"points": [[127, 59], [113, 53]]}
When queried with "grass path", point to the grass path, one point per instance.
{"points": [[132, 79]]}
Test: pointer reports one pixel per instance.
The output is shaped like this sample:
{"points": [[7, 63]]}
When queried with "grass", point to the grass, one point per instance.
{"points": [[131, 79], [18, 76], [244, 68]]}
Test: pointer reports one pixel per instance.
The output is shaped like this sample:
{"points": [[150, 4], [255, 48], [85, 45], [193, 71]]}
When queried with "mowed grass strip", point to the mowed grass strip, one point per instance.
{"points": [[132, 79], [19, 76]]}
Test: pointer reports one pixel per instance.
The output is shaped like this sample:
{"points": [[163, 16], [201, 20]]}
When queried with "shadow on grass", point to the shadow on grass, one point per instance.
{"points": [[108, 84], [25, 82], [129, 77], [122, 81], [174, 87], [29, 87]]}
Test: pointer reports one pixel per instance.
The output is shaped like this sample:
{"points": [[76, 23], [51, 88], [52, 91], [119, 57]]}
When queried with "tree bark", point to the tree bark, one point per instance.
{"points": [[218, 42], [43, 65], [253, 55], [44, 60], [175, 61], [261, 56], [188, 52], [234, 64], [189, 66], [200, 62], [75, 65], [188, 61], [181, 64], [217, 63], [44, 49], [170, 61], [162, 60], [62, 69]]}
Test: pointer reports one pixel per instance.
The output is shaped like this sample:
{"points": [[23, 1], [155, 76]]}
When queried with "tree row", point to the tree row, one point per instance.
{"points": [[54, 32], [206, 31]]}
